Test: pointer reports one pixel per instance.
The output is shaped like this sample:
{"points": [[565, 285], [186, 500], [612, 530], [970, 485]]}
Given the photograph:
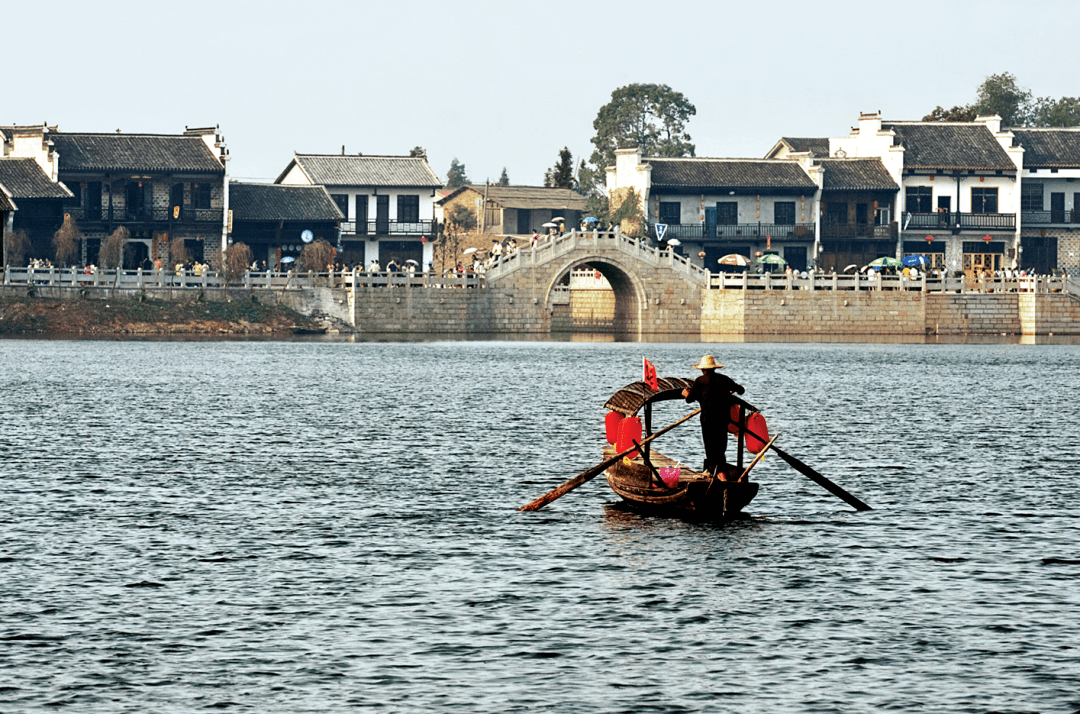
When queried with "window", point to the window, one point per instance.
{"points": [[76, 192], [671, 213], [408, 209], [93, 201], [784, 213], [883, 216], [836, 212], [200, 195], [727, 213], [984, 200], [919, 199], [862, 214], [1031, 196], [342, 201]]}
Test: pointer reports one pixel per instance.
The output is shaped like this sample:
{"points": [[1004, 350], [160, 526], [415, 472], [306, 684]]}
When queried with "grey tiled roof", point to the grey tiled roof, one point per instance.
{"points": [[23, 178], [6, 204], [820, 147], [135, 152], [949, 145], [729, 173], [343, 170], [1056, 148], [856, 175], [274, 202], [529, 197]]}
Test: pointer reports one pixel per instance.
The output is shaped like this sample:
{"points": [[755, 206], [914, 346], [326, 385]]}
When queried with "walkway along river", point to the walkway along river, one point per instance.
{"points": [[654, 292]]}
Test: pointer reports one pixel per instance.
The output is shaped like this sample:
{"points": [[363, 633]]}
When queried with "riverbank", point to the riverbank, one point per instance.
{"points": [[126, 316]]}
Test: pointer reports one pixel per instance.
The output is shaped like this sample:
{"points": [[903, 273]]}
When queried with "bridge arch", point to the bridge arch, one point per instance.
{"points": [[626, 284]]}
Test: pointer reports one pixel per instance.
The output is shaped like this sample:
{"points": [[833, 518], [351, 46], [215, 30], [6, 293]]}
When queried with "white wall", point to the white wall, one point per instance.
{"points": [[752, 209]]}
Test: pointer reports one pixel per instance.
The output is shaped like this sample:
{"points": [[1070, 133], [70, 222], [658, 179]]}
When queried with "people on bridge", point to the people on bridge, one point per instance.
{"points": [[715, 393]]}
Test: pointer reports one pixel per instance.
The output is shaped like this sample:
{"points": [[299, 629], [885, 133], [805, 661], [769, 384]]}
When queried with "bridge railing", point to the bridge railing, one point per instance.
{"points": [[551, 246], [767, 281], [81, 278]]}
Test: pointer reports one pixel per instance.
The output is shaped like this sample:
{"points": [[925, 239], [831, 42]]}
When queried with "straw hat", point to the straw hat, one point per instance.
{"points": [[707, 362]]}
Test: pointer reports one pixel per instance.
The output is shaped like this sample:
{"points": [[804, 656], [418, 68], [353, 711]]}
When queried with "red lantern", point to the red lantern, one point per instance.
{"points": [[929, 239], [987, 238]]}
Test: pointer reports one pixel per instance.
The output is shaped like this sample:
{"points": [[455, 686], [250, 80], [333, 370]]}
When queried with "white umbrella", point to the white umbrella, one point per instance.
{"points": [[549, 225], [289, 259], [558, 218], [410, 261], [469, 250], [674, 241], [850, 267]]}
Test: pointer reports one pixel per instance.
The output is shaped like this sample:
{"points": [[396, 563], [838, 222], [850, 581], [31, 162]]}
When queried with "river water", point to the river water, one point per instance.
{"points": [[323, 526]]}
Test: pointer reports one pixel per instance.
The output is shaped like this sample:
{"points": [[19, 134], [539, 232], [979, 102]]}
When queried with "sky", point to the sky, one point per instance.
{"points": [[508, 84]]}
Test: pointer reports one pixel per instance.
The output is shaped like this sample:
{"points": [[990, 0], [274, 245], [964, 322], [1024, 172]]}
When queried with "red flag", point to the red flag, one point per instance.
{"points": [[650, 376]]}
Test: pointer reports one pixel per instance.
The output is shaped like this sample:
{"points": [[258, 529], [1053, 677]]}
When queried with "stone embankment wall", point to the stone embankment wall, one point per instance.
{"points": [[875, 313]]}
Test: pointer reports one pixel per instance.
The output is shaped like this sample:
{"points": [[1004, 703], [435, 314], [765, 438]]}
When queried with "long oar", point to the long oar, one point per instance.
{"points": [[757, 458], [821, 480], [589, 474]]}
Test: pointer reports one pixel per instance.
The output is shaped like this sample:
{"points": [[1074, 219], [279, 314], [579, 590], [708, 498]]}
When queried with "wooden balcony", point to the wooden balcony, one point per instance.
{"points": [[740, 232], [858, 231], [387, 227], [1050, 218], [962, 221]]}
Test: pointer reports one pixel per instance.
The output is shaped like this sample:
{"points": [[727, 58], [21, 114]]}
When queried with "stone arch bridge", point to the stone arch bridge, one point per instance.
{"points": [[656, 291]]}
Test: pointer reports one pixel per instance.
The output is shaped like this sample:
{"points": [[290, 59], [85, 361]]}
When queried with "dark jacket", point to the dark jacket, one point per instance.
{"points": [[713, 392]]}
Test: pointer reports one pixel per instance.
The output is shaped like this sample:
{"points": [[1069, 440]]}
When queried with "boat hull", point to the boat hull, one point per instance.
{"points": [[698, 496]]}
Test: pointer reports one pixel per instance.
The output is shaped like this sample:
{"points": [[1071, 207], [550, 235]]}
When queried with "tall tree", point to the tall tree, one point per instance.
{"points": [[16, 248], [455, 177], [957, 113], [111, 252], [504, 178], [66, 241], [561, 175], [458, 221], [1056, 112], [651, 117], [1000, 94]]}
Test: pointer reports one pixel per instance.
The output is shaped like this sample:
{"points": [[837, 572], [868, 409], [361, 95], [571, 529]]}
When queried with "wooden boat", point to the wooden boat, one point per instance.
{"points": [[695, 495]]}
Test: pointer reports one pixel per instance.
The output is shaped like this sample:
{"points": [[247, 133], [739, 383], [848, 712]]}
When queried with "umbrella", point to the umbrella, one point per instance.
{"points": [[771, 259], [549, 225], [410, 261], [592, 219], [674, 241], [915, 260], [850, 267], [558, 218], [289, 259], [734, 259], [469, 250], [885, 262]]}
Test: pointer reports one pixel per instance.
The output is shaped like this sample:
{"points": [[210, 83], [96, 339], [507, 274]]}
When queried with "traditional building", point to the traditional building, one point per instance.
{"points": [[157, 186], [720, 206], [857, 217], [275, 221], [960, 194], [517, 210], [388, 202], [1050, 198], [31, 202]]}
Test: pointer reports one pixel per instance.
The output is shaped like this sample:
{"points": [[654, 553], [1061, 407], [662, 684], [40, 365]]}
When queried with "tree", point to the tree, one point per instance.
{"points": [[317, 255], [561, 175], [418, 152], [459, 220], [112, 248], [957, 113], [626, 211], [504, 179], [456, 177], [66, 241], [178, 254], [1059, 112], [1000, 94], [237, 260], [651, 117], [16, 248]]}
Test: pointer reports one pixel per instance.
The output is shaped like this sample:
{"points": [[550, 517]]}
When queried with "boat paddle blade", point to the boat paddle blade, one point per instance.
{"points": [[821, 480]]}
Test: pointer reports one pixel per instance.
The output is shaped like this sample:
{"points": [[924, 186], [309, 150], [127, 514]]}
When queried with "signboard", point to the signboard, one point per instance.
{"points": [[307, 236], [661, 229]]}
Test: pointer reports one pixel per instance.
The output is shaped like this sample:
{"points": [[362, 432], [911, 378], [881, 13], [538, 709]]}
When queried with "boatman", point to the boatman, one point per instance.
{"points": [[714, 392]]}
